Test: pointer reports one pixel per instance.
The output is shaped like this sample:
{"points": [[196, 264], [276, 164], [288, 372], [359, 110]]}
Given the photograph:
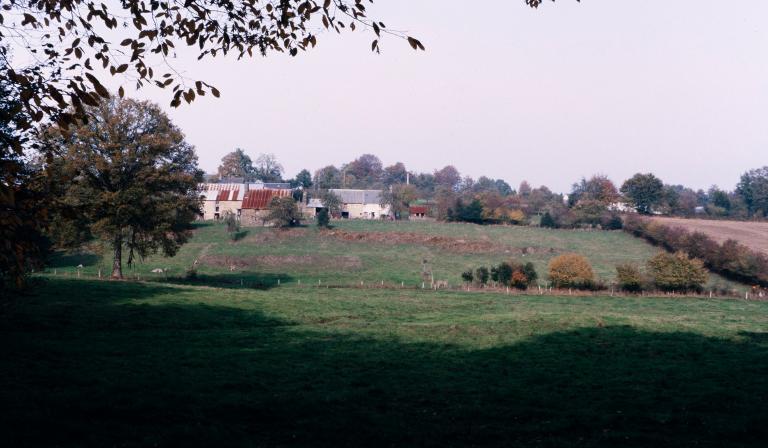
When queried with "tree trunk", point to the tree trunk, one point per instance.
{"points": [[117, 262]]}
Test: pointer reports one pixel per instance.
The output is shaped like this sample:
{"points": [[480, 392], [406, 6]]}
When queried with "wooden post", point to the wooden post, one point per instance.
{"points": [[278, 282]]}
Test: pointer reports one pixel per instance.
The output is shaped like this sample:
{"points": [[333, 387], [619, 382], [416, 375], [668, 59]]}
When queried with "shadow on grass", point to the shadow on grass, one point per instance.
{"points": [[62, 259], [105, 372], [237, 236], [250, 280]]}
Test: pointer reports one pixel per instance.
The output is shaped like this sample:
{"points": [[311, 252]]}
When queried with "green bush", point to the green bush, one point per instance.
{"points": [[323, 218], [677, 272], [283, 212], [629, 277], [481, 275], [468, 276], [548, 221]]}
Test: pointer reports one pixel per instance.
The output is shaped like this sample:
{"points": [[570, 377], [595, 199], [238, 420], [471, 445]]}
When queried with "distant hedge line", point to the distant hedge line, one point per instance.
{"points": [[730, 259]]}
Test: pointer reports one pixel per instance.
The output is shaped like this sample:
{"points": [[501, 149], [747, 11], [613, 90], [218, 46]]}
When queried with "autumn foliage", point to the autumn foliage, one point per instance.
{"points": [[730, 259], [677, 272], [571, 271]]}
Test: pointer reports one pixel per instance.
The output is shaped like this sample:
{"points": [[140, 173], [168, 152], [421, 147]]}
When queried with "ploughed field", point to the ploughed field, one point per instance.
{"points": [[371, 252], [135, 364], [751, 234]]}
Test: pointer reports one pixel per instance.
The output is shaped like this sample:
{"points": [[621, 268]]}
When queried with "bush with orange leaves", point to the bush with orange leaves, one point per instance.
{"points": [[571, 271]]}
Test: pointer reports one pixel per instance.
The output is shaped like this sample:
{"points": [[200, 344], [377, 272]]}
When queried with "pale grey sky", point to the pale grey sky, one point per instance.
{"points": [[679, 88]]}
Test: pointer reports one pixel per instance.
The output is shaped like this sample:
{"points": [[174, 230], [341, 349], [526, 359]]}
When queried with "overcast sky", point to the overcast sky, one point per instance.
{"points": [[679, 88]]}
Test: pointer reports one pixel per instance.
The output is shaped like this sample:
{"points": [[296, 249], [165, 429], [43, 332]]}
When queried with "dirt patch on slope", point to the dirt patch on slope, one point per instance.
{"points": [[345, 262], [451, 244], [274, 235], [751, 234]]}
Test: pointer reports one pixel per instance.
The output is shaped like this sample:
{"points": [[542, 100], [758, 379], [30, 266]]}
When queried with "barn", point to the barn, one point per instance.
{"points": [[255, 205]]}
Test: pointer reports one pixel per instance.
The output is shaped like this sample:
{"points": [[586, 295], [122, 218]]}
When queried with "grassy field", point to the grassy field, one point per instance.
{"points": [[374, 251], [96, 363]]}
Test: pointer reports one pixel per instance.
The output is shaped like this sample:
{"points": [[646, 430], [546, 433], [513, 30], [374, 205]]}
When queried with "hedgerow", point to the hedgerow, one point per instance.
{"points": [[730, 259]]}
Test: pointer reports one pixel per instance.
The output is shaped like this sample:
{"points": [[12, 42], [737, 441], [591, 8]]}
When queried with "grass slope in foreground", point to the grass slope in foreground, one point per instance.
{"points": [[86, 363]]}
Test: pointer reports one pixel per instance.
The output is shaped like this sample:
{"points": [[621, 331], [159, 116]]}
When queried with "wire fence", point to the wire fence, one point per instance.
{"points": [[245, 282]]}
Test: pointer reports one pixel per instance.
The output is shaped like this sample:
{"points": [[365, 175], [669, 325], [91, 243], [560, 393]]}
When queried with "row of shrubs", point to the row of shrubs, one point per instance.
{"points": [[667, 272], [730, 259], [507, 273]]}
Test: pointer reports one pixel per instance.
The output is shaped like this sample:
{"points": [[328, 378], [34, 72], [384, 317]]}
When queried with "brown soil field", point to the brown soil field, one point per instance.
{"points": [[459, 245], [752, 234], [235, 262]]}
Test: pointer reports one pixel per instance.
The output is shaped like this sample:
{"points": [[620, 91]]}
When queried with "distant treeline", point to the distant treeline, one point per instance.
{"points": [[730, 259], [451, 196]]}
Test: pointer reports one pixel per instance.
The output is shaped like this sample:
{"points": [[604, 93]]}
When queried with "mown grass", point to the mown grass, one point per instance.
{"points": [[381, 260], [89, 363]]}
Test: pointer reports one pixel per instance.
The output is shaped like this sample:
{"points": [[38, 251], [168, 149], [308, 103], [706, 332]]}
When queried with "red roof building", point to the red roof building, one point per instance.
{"points": [[260, 199]]}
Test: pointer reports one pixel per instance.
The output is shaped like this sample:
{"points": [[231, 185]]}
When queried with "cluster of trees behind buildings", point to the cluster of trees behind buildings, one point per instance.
{"points": [[592, 202]]}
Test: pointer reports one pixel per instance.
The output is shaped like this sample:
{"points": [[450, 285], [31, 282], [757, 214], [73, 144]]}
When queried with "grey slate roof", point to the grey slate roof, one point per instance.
{"points": [[358, 196]]}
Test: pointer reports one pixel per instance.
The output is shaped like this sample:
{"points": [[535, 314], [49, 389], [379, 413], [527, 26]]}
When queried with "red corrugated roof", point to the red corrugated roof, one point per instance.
{"points": [[414, 209], [227, 195], [260, 199]]}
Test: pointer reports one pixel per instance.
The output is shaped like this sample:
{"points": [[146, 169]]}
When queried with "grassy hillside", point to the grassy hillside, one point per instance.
{"points": [[375, 251], [88, 363]]}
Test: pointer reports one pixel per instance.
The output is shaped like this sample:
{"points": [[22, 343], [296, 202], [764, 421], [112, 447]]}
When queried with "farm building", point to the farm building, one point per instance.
{"points": [[219, 199], [255, 205], [418, 212], [361, 204], [313, 207]]}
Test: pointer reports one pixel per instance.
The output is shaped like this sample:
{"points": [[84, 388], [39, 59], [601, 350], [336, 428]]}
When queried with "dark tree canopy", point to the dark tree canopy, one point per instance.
{"points": [[23, 199], [303, 179], [644, 191], [753, 188]]}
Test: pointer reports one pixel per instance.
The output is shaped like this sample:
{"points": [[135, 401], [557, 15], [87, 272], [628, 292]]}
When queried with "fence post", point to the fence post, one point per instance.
{"points": [[278, 282]]}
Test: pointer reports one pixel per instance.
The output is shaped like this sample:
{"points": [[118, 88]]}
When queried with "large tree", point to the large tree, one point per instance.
{"points": [[644, 191], [448, 177], [753, 189], [303, 179], [597, 189], [328, 177], [268, 169], [236, 164], [365, 171], [398, 198], [132, 176]]}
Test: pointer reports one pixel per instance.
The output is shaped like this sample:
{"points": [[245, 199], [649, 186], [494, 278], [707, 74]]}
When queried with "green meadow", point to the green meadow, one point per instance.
{"points": [[371, 252], [232, 358], [97, 363]]}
